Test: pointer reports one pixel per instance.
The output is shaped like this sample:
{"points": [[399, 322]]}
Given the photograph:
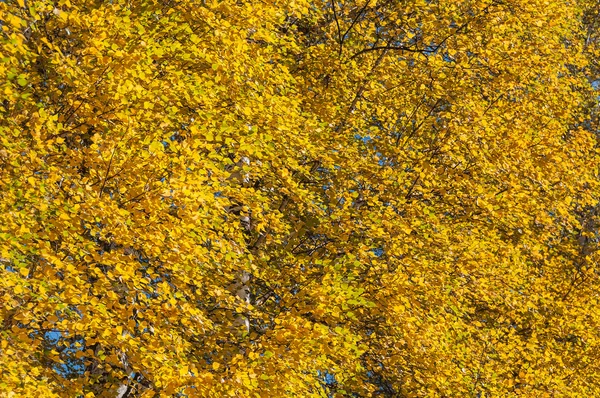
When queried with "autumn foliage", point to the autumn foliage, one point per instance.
{"points": [[393, 198]]}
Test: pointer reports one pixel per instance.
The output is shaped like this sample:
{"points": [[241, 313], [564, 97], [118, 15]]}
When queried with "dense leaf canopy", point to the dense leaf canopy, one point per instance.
{"points": [[299, 198]]}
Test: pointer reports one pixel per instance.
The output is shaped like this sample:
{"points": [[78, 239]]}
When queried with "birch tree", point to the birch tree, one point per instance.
{"points": [[300, 198]]}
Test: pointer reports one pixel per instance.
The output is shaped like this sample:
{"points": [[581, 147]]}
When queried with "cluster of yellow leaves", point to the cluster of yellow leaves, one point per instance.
{"points": [[355, 198]]}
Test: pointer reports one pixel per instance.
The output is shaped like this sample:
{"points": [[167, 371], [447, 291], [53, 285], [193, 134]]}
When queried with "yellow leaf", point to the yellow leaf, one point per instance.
{"points": [[183, 371]]}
